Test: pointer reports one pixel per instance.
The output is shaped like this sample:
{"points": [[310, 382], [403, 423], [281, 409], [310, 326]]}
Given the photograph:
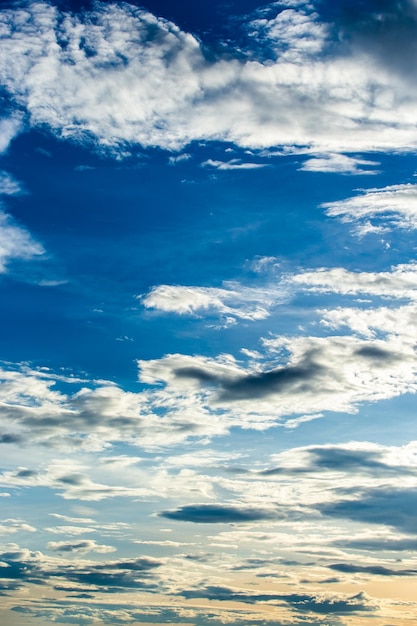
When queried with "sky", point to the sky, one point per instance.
{"points": [[208, 283]]}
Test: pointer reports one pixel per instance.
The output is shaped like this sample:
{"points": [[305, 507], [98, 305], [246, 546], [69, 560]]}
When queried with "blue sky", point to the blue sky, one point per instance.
{"points": [[208, 275]]}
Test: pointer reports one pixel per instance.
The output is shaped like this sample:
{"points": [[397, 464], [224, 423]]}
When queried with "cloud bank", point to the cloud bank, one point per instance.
{"points": [[118, 76]]}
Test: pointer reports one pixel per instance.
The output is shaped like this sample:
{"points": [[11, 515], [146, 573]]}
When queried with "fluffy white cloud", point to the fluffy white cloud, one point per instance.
{"points": [[378, 210], [120, 75]]}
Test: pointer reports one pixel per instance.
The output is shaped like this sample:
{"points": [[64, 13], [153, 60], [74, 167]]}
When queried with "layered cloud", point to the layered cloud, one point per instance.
{"points": [[118, 76]]}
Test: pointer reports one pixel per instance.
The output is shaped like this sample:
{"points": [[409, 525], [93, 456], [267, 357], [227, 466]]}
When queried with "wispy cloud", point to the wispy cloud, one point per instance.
{"points": [[16, 243], [378, 210], [232, 300], [233, 164]]}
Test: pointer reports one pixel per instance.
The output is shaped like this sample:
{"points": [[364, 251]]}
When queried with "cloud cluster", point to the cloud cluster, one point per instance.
{"points": [[118, 76]]}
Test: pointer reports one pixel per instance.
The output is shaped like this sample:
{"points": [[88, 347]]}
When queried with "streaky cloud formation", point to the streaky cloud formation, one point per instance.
{"points": [[378, 210]]}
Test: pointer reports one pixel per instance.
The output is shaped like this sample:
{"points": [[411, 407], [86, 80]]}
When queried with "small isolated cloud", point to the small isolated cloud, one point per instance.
{"points": [[180, 158], [9, 186], [86, 545], [378, 210], [339, 164], [233, 164], [70, 530], [84, 168], [15, 243], [219, 514]]}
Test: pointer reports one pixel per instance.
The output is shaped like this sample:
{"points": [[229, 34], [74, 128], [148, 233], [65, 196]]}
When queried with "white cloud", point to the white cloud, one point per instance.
{"points": [[233, 164], [180, 158], [292, 36], [10, 127], [233, 299], [122, 76], [81, 545], [400, 282], [70, 530], [339, 163], [15, 243], [12, 526], [378, 209], [9, 186]]}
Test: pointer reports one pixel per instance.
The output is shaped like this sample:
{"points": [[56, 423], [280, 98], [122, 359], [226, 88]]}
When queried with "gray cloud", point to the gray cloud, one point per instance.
{"points": [[390, 507], [382, 545], [385, 29], [219, 514], [299, 377], [374, 570], [304, 603]]}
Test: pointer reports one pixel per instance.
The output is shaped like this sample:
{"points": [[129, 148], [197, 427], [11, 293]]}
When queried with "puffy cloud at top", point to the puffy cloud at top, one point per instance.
{"points": [[118, 76]]}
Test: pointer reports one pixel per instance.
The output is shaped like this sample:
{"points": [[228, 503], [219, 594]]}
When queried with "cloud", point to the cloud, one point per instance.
{"points": [[12, 526], [15, 243], [9, 186], [338, 164], [104, 577], [82, 545], [399, 282], [235, 300], [180, 158], [337, 604], [378, 210], [291, 35], [332, 373], [118, 76], [70, 530], [353, 458], [219, 514], [385, 506], [233, 164], [383, 30], [374, 570], [10, 127]]}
